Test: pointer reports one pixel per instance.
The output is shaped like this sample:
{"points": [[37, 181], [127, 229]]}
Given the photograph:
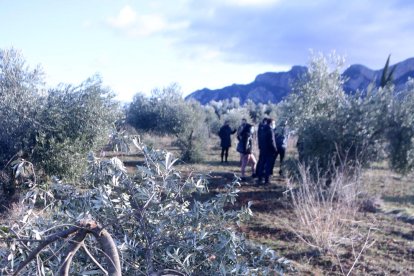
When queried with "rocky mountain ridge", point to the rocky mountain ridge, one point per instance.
{"points": [[274, 86]]}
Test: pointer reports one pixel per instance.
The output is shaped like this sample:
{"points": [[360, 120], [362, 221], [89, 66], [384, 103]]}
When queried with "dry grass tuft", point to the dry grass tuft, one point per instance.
{"points": [[325, 213]]}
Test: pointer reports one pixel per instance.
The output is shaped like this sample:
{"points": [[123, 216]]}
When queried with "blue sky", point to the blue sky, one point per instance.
{"points": [[140, 45]]}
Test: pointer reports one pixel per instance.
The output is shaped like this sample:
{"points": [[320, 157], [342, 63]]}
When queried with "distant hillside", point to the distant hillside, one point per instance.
{"points": [[359, 76], [274, 87]]}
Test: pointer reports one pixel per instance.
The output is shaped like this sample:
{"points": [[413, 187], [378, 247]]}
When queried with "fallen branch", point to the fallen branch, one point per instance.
{"points": [[60, 235], [83, 228], [109, 248], [76, 243]]}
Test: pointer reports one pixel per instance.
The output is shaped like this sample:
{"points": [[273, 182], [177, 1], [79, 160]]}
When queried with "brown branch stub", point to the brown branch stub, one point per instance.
{"points": [[74, 246], [60, 235], [84, 227], [111, 252], [107, 244]]}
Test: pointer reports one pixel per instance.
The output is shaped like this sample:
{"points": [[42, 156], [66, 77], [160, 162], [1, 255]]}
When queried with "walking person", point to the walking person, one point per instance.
{"points": [[239, 131], [225, 140], [245, 147], [267, 146], [259, 166]]}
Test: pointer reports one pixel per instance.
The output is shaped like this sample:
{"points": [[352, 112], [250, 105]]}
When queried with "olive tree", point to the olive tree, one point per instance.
{"points": [[75, 120], [334, 127], [165, 112], [401, 131], [20, 91], [50, 128], [212, 121], [235, 116], [160, 113], [192, 140]]}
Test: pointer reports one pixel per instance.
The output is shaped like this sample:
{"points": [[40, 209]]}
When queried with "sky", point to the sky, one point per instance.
{"points": [[136, 46]]}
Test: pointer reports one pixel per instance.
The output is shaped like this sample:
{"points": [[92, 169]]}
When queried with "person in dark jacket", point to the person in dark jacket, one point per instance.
{"points": [[239, 131], [267, 152], [241, 128], [281, 138], [225, 137], [259, 165]]}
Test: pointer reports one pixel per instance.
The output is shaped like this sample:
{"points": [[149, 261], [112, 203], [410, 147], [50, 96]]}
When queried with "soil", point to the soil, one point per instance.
{"points": [[390, 243]]}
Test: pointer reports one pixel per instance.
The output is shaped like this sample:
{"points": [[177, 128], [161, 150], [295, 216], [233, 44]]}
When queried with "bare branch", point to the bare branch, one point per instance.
{"points": [[107, 244], [76, 243], [94, 260], [360, 253], [60, 235], [109, 248], [168, 272]]}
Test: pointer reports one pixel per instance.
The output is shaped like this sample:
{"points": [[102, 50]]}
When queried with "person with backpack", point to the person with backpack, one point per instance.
{"points": [[240, 128], [245, 147], [225, 140], [281, 138]]}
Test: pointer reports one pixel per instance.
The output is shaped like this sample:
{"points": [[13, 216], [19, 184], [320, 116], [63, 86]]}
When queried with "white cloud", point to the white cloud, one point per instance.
{"points": [[125, 18], [87, 24], [281, 32], [142, 25], [148, 24], [252, 2], [101, 60], [210, 55]]}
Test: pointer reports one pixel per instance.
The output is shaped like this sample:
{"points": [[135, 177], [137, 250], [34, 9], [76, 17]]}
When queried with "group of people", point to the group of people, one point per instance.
{"points": [[272, 142]]}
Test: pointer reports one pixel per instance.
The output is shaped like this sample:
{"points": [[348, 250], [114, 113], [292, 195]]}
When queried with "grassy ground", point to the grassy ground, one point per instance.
{"points": [[388, 232]]}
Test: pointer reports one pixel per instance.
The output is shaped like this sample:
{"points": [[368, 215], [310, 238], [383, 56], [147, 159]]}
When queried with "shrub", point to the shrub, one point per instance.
{"points": [[324, 213], [213, 123], [326, 217], [160, 113], [192, 141], [156, 223]]}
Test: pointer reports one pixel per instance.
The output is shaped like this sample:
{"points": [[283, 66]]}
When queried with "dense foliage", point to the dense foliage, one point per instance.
{"points": [[334, 127], [165, 112], [52, 128], [233, 112], [401, 131], [20, 90], [154, 217]]}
